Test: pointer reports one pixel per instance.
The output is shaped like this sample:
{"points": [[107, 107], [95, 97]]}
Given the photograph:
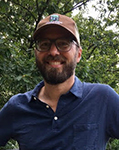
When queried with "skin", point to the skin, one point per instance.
{"points": [[50, 93]]}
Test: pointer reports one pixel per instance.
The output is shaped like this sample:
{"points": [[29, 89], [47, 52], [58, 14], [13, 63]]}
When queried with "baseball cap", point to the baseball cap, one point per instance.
{"points": [[58, 20]]}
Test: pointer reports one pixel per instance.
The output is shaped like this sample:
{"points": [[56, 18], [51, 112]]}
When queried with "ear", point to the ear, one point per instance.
{"points": [[79, 54]]}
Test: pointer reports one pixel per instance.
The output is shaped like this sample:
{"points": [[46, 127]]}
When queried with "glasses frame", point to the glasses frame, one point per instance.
{"points": [[53, 41]]}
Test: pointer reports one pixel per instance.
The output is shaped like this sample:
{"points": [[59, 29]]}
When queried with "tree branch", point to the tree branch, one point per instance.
{"points": [[83, 2], [94, 47], [40, 14], [24, 8]]}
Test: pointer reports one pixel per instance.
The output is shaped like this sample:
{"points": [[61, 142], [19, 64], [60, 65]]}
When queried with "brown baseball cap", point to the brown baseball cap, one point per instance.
{"points": [[57, 20]]}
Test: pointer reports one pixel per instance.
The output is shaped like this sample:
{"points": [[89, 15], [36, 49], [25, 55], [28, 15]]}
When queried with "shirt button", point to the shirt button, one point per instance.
{"points": [[35, 98], [47, 106], [55, 118]]}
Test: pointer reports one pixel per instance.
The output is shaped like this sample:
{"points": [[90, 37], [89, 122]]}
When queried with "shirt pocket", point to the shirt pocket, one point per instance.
{"points": [[85, 136]]}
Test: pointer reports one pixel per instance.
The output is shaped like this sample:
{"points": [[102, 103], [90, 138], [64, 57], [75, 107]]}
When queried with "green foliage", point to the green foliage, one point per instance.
{"points": [[17, 70], [100, 57], [10, 145], [113, 144], [100, 53]]}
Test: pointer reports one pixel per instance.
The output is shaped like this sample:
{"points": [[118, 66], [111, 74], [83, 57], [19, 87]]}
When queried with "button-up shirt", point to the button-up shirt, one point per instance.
{"points": [[85, 118]]}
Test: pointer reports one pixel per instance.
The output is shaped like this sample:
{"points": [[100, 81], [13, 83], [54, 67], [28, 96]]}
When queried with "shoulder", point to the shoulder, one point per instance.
{"points": [[20, 98], [97, 87], [92, 89], [24, 98], [16, 101], [87, 86], [101, 90]]}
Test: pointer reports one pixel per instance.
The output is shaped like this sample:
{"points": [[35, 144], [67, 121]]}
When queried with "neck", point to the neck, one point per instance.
{"points": [[50, 94]]}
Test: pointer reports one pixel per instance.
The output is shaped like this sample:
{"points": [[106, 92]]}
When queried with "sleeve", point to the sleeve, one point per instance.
{"points": [[6, 121], [112, 114]]}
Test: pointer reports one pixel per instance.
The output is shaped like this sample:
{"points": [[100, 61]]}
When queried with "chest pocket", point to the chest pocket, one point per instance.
{"points": [[85, 136]]}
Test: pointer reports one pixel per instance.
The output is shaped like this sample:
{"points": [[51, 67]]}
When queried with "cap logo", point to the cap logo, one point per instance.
{"points": [[54, 18]]}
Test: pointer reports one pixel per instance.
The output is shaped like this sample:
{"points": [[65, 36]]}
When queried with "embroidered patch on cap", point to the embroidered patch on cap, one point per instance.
{"points": [[54, 18]]}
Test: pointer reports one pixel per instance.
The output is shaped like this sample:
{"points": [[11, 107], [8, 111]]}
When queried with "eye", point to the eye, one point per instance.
{"points": [[62, 43], [44, 44]]}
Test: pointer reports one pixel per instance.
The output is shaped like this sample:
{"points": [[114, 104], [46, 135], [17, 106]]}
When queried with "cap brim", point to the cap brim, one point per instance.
{"points": [[36, 34]]}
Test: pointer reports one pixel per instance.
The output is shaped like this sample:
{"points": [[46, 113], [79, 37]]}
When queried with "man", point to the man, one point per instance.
{"points": [[61, 113]]}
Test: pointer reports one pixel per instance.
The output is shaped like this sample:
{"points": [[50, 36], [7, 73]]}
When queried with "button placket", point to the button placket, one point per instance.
{"points": [[56, 123]]}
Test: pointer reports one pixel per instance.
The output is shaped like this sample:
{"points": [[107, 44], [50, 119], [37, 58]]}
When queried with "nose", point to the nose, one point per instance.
{"points": [[53, 50]]}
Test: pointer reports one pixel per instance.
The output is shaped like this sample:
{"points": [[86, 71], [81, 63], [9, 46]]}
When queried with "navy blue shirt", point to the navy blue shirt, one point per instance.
{"points": [[85, 118]]}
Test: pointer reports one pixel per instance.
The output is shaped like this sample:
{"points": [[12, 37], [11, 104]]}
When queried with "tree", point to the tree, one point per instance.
{"points": [[18, 22]]}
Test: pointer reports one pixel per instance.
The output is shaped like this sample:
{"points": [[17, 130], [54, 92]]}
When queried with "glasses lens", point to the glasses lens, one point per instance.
{"points": [[43, 45], [63, 44]]}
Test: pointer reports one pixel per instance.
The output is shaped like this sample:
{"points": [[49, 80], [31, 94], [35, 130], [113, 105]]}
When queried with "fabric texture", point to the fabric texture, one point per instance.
{"points": [[85, 118]]}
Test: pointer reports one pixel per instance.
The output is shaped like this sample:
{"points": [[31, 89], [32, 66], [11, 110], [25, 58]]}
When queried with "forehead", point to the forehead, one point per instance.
{"points": [[54, 32]]}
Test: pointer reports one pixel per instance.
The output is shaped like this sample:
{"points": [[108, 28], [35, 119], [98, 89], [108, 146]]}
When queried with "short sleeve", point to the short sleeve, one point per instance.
{"points": [[112, 113], [6, 120]]}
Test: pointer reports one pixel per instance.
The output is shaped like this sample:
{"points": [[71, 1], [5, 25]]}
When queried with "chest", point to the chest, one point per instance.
{"points": [[75, 124]]}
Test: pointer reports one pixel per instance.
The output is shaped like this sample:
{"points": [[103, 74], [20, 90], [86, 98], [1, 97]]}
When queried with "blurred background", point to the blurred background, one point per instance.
{"points": [[98, 25]]}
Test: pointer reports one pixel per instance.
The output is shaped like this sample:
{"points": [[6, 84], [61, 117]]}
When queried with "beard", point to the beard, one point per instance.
{"points": [[53, 75]]}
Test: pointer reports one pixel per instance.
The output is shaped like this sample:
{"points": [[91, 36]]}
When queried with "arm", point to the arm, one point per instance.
{"points": [[6, 119], [113, 114]]}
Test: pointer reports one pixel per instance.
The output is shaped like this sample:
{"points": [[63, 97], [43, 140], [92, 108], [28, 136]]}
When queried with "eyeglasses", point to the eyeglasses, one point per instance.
{"points": [[62, 44]]}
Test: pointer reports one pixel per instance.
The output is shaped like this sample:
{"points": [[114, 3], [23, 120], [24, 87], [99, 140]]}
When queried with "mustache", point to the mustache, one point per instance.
{"points": [[54, 58]]}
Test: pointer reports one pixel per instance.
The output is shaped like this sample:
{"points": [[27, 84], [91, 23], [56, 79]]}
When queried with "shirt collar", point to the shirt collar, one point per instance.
{"points": [[76, 89], [35, 91]]}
